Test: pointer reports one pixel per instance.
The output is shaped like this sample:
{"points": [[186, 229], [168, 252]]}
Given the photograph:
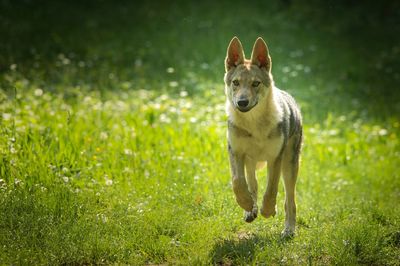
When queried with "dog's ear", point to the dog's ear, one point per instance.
{"points": [[260, 55], [234, 54]]}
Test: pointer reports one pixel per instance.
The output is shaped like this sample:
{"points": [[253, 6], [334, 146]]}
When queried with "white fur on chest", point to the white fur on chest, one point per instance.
{"points": [[262, 143], [256, 148]]}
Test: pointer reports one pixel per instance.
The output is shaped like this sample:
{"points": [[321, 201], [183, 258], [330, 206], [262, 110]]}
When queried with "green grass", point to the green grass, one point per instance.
{"points": [[113, 134]]}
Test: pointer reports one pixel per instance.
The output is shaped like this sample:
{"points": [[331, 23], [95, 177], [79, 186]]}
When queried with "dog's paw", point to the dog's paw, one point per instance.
{"points": [[246, 202], [251, 216], [287, 233], [268, 210]]}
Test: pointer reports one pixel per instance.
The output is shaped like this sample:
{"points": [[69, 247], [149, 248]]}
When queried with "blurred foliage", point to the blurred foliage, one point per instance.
{"points": [[344, 51]]}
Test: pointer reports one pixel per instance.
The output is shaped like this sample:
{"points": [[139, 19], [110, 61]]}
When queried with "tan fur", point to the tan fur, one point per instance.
{"points": [[256, 109]]}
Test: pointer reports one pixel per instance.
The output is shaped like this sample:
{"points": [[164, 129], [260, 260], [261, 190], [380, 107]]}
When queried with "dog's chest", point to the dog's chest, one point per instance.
{"points": [[260, 141]]}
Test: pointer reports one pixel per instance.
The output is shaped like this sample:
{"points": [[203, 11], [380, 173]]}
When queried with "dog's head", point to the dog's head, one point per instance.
{"points": [[247, 82]]}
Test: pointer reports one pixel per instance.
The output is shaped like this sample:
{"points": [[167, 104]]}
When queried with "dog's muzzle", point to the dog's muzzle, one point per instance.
{"points": [[244, 105]]}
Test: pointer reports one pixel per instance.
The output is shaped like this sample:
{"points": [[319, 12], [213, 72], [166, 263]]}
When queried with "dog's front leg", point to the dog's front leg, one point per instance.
{"points": [[268, 208], [253, 189], [239, 184]]}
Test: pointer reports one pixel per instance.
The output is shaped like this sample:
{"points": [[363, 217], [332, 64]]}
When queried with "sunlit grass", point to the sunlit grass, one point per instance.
{"points": [[142, 177]]}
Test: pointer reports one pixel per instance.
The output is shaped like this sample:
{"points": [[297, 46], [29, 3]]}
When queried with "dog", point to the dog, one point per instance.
{"points": [[264, 125]]}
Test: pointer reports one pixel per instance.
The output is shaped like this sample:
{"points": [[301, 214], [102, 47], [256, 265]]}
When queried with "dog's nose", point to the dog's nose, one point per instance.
{"points": [[243, 103]]}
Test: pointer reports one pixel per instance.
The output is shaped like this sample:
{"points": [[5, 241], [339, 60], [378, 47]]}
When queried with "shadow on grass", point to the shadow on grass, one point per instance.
{"points": [[242, 250], [230, 251]]}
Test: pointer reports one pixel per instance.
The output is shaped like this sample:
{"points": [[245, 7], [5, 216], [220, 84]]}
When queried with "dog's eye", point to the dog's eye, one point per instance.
{"points": [[255, 83], [235, 82]]}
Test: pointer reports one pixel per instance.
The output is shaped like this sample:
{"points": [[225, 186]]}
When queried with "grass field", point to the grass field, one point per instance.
{"points": [[113, 143]]}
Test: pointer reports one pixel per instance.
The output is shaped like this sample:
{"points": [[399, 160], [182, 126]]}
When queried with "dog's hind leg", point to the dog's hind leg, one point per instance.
{"points": [[290, 168], [249, 216], [239, 184], [268, 208]]}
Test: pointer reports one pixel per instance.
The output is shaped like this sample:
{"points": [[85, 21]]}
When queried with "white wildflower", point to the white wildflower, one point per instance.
{"points": [[38, 92]]}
